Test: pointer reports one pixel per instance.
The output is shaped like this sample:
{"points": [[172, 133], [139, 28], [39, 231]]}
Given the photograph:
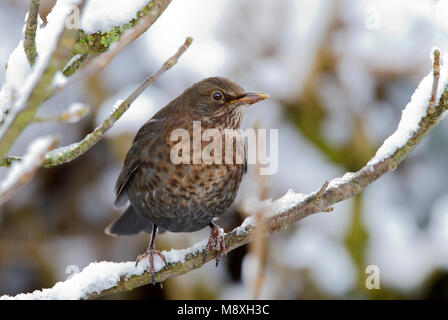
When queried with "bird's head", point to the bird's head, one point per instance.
{"points": [[217, 97]]}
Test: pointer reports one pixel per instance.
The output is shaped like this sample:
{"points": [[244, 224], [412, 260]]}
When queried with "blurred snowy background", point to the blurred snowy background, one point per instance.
{"points": [[339, 74]]}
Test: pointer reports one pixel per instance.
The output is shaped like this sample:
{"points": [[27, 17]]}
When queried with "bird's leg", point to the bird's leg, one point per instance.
{"points": [[216, 241], [150, 252]]}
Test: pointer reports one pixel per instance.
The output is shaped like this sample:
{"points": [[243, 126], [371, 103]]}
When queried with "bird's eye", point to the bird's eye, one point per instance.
{"points": [[217, 95]]}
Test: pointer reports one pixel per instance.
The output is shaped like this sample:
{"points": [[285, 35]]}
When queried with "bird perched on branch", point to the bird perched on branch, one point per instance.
{"points": [[172, 185]]}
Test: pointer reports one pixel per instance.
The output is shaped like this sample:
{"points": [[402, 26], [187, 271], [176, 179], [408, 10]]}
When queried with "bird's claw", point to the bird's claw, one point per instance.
{"points": [[217, 242], [150, 255]]}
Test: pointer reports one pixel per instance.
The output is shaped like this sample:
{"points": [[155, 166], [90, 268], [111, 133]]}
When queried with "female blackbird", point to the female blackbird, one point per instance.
{"points": [[185, 196]]}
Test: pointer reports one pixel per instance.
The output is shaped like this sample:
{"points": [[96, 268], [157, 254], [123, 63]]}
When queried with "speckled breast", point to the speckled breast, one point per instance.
{"points": [[185, 197]]}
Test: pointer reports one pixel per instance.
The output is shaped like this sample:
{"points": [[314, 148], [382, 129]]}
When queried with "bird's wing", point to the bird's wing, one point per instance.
{"points": [[143, 140]]}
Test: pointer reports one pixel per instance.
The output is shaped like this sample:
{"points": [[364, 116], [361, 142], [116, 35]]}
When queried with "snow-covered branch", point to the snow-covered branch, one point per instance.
{"points": [[97, 35], [55, 48], [22, 171], [103, 278]]}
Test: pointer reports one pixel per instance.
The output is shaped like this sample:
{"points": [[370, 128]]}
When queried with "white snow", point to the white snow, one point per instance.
{"points": [[76, 111], [288, 201], [269, 208], [60, 151], [140, 111], [28, 164], [249, 221], [59, 80], [99, 276], [16, 73], [102, 15], [20, 78], [415, 110], [179, 255], [338, 181]]}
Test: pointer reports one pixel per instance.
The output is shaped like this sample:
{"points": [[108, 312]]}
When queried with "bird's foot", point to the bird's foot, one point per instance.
{"points": [[150, 253], [216, 241]]}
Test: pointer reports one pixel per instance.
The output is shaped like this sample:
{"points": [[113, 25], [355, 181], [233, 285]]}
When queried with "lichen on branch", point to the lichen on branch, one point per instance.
{"points": [[100, 41]]}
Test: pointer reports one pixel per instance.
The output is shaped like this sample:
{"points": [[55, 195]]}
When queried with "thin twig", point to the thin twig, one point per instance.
{"points": [[73, 114], [22, 114], [29, 42], [71, 152], [100, 41]]}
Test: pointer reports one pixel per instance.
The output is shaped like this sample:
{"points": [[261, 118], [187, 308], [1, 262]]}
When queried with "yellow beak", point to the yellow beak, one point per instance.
{"points": [[250, 98]]}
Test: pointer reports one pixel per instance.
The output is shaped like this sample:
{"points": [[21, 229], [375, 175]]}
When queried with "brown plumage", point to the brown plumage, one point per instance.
{"points": [[183, 197]]}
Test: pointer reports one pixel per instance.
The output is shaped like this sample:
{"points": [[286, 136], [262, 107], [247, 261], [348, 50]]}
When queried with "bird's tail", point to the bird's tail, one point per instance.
{"points": [[130, 222]]}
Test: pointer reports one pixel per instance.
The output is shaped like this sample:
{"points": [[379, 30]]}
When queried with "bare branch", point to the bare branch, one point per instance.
{"points": [[29, 43], [71, 152], [9, 160], [22, 172], [72, 115]]}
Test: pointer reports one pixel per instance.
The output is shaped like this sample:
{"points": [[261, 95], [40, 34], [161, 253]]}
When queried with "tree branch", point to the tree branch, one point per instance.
{"points": [[9, 160], [22, 172], [77, 42], [29, 43], [104, 278], [74, 65], [73, 114], [71, 152], [103, 60]]}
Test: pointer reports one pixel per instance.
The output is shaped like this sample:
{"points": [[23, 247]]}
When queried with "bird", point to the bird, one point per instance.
{"points": [[187, 196]]}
